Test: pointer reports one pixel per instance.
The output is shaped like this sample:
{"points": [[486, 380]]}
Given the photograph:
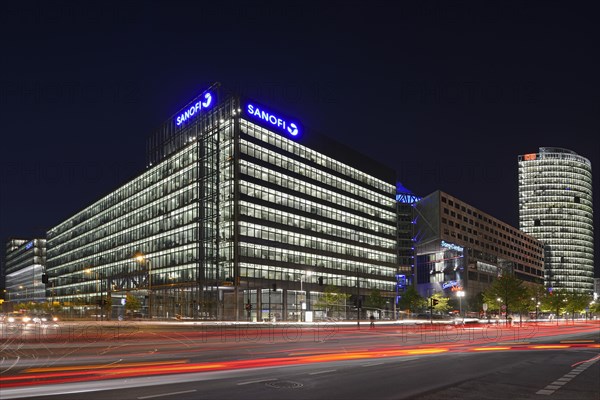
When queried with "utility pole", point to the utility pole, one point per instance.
{"points": [[357, 300]]}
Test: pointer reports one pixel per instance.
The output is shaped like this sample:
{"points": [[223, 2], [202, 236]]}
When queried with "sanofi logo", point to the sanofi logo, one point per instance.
{"points": [[274, 120], [195, 109]]}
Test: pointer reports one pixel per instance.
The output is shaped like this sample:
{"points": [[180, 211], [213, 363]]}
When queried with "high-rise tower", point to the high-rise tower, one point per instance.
{"points": [[555, 206]]}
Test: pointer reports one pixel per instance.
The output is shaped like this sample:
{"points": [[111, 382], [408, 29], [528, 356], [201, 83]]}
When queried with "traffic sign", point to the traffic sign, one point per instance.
{"points": [[503, 307], [484, 306]]}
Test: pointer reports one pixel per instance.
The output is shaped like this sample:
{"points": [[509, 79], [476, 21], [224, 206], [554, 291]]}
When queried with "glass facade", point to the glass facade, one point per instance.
{"points": [[225, 209], [555, 206], [25, 264]]}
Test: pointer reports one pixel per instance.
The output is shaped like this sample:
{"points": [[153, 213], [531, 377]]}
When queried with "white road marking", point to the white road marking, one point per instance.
{"points": [[372, 364], [166, 394], [560, 382], [322, 372], [257, 381]]}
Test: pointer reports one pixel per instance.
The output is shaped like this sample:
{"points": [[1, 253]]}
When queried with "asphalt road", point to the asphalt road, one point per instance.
{"points": [[387, 362]]}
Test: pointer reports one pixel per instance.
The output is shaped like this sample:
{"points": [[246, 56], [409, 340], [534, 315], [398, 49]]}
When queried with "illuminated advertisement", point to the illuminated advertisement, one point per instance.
{"points": [[452, 246]]}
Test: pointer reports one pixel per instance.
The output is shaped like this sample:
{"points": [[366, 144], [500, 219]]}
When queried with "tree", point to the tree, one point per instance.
{"points": [[411, 300], [332, 299], [376, 300], [555, 302], [595, 306], [475, 302], [536, 295], [509, 290], [442, 305], [132, 303], [577, 302]]}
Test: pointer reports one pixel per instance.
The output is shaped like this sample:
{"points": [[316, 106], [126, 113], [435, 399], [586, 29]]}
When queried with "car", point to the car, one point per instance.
{"points": [[44, 318], [17, 318]]}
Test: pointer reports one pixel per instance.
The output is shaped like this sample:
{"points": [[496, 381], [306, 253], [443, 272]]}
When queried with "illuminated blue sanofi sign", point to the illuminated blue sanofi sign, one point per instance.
{"points": [[195, 109], [270, 118]]}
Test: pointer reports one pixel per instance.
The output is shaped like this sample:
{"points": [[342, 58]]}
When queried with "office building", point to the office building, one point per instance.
{"points": [[461, 248], [242, 213], [24, 267], [555, 206]]}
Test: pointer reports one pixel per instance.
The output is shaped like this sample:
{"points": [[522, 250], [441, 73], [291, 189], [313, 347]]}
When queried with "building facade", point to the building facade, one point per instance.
{"points": [[406, 232], [242, 213], [555, 206], [25, 265], [461, 248]]}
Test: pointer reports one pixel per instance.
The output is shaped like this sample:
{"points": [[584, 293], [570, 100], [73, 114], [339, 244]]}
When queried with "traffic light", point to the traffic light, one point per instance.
{"points": [[44, 278], [434, 302]]}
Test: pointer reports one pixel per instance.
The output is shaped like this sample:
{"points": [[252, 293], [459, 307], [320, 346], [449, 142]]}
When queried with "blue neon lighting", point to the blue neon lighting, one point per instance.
{"points": [[195, 109], [29, 245], [269, 117]]}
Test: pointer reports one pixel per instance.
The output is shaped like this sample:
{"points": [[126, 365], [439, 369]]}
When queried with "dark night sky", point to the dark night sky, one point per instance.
{"points": [[447, 94]]}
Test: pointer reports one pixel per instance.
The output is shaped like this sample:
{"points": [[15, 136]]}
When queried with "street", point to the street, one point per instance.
{"points": [[327, 361]]}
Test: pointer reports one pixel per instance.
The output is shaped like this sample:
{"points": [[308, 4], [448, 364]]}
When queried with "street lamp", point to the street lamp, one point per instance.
{"points": [[143, 259], [24, 287], [460, 294], [302, 303]]}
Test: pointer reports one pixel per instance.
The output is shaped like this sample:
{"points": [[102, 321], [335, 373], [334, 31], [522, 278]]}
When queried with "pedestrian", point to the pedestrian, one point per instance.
{"points": [[372, 318]]}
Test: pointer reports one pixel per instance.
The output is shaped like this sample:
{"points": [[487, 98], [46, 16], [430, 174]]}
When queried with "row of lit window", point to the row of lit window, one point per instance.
{"points": [[315, 174], [304, 152], [283, 237], [131, 235], [153, 193], [162, 171], [581, 212], [292, 202], [288, 219], [558, 184], [117, 219], [568, 165], [179, 258], [315, 191], [10, 266], [303, 260], [551, 232], [164, 241], [533, 208], [259, 271], [161, 214]]}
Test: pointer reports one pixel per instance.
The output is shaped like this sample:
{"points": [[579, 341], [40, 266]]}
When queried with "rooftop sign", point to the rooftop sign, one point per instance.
{"points": [[195, 109], [275, 120]]}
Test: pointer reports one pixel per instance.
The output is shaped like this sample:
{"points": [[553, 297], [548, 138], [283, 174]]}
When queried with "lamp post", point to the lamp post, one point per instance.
{"points": [[24, 287], [143, 259], [303, 301], [460, 294]]}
